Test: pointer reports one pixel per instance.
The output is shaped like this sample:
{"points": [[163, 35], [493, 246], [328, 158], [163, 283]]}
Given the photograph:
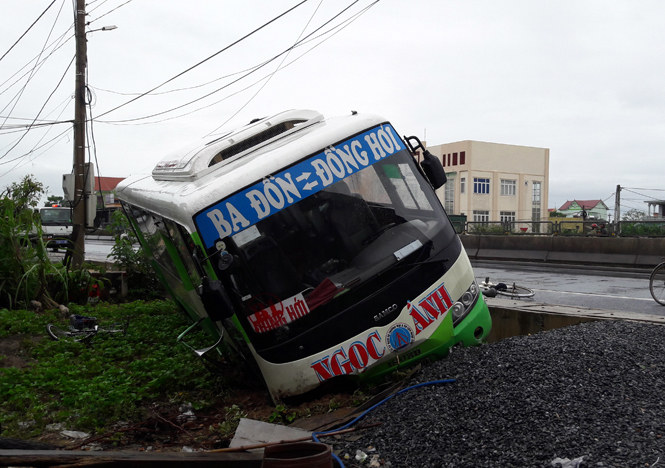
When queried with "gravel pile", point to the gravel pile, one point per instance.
{"points": [[594, 390]]}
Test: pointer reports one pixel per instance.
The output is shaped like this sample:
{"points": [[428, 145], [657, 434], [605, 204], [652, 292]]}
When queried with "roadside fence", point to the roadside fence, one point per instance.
{"points": [[564, 227]]}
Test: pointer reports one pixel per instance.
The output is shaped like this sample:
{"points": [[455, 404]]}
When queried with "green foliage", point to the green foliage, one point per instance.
{"points": [[633, 215], [487, 228], [53, 200], [557, 214], [24, 263], [282, 414], [131, 258], [643, 229], [88, 387], [228, 427]]}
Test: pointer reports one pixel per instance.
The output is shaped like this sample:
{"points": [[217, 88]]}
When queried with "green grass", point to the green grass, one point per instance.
{"points": [[89, 388]]}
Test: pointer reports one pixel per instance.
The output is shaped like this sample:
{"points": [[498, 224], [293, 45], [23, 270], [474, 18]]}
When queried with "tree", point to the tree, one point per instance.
{"points": [[22, 263], [633, 215], [24, 194], [53, 200]]}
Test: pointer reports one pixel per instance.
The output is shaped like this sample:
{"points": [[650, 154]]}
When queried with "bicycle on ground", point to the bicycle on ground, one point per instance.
{"points": [[509, 290], [83, 329], [657, 284]]}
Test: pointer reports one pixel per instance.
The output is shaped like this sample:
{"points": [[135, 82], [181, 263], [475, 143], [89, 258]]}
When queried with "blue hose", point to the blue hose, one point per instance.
{"points": [[316, 434]]}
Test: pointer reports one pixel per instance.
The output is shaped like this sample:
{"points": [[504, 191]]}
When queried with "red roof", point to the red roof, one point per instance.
{"points": [[586, 204], [107, 183]]}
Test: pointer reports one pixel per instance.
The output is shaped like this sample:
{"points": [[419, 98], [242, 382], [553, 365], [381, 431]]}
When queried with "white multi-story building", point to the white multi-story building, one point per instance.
{"points": [[493, 181]]}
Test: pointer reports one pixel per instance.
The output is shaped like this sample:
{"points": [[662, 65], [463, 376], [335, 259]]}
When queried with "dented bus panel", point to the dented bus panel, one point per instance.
{"points": [[316, 248]]}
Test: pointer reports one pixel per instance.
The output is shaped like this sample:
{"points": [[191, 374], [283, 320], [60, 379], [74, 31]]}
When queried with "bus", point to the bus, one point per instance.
{"points": [[315, 248]]}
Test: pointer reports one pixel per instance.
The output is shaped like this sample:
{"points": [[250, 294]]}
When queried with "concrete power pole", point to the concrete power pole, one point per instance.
{"points": [[617, 206], [79, 203]]}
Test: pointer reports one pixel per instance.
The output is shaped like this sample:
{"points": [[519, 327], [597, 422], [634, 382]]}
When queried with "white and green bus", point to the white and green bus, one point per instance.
{"points": [[315, 248]]}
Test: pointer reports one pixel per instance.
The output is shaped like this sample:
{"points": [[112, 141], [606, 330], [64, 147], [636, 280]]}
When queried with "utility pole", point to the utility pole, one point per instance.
{"points": [[617, 204], [79, 203]]}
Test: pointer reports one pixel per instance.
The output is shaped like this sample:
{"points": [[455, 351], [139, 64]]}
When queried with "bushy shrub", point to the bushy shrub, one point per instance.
{"points": [[130, 257]]}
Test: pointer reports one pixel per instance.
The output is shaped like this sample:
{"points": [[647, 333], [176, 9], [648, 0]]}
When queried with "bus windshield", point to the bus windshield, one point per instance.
{"points": [[330, 250], [56, 216]]}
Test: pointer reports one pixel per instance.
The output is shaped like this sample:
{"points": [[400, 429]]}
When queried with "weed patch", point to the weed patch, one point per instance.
{"points": [[90, 387]]}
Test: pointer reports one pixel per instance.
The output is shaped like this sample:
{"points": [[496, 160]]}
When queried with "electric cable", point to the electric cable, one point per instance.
{"points": [[26, 31], [34, 70], [108, 12], [242, 77], [60, 135], [204, 60], [275, 71], [654, 189], [304, 42], [342, 26], [640, 194], [433, 382], [35, 58], [41, 109]]}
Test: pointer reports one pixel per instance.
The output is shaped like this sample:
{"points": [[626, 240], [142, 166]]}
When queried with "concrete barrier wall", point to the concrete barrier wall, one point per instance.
{"points": [[610, 251]]}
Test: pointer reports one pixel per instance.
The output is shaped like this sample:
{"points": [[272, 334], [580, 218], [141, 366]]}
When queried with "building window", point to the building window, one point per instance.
{"points": [[481, 185], [462, 157], [535, 205], [449, 196], [507, 216], [481, 216], [454, 159], [462, 185], [443, 160], [508, 187]]}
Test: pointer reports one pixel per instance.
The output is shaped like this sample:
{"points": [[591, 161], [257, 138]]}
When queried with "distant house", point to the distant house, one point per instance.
{"points": [[595, 209], [106, 202], [656, 209]]}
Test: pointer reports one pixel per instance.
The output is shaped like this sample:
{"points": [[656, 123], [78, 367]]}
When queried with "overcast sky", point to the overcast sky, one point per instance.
{"points": [[582, 78]]}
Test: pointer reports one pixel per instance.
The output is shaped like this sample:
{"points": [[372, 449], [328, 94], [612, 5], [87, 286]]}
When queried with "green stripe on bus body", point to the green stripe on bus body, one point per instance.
{"points": [[438, 344]]}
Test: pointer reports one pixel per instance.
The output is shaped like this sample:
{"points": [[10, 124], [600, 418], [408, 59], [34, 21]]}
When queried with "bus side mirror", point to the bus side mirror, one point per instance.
{"points": [[433, 169], [215, 299]]}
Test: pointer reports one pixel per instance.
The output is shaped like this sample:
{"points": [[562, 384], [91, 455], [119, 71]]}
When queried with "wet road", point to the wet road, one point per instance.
{"points": [[621, 290], [95, 251], [613, 290]]}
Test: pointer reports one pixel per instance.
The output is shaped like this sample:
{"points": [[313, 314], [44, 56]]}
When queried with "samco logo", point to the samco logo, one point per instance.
{"points": [[430, 309], [345, 360]]}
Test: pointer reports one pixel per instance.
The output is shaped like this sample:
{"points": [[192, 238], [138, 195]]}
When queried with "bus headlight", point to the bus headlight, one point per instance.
{"points": [[463, 306]]}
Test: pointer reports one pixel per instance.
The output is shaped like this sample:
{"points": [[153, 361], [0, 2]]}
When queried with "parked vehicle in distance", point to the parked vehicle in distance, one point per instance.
{"points": [[57, 226], [316, 249]]}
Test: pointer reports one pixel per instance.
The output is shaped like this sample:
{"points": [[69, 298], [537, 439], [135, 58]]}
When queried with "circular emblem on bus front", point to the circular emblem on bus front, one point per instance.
{"points": [[399, 336]]}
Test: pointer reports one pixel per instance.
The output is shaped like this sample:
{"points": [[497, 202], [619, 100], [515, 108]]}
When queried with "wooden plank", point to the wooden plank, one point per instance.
{"points": [[55, 458]]}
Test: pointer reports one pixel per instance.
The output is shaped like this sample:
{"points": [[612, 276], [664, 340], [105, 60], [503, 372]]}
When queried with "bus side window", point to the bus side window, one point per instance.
{"points": [[183, 242]]}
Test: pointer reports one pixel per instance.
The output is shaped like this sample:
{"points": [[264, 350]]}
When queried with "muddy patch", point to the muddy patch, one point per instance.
{"points": [[14, 352]]}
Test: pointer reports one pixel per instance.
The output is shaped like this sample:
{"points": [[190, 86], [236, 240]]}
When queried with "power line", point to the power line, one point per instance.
{"points": [[303, 41], [204, 60], [640, 194], [34, 70], [26, 31], [654, 189], [42, 108], [35, 58], [276, 69], [31, 151], [107, 13], [23, 128], [341, 26]]}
